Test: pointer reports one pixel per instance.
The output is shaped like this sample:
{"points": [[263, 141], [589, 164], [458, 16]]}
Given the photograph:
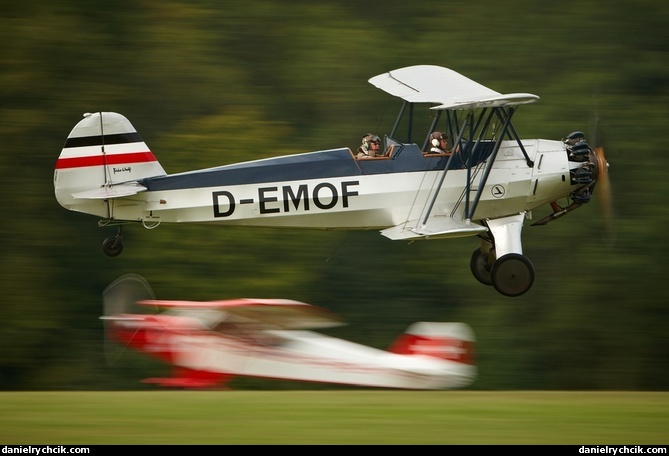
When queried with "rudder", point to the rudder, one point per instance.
{"points": [[449, 341], [101, 151]]}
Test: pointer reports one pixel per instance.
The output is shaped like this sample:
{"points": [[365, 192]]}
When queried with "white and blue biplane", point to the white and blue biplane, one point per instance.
{"points": [[486, 184]]}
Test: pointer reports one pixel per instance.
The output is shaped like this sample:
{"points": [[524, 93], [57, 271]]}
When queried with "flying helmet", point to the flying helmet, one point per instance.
{"points": [[436, 137], [369, 138]]}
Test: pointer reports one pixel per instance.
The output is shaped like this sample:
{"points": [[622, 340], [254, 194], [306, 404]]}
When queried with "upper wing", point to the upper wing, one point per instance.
{"points": [[282, 313], [445, 87]]}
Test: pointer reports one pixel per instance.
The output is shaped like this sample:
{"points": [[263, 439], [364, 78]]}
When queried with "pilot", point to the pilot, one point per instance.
{"points": [[438, 143], [370, 147]]}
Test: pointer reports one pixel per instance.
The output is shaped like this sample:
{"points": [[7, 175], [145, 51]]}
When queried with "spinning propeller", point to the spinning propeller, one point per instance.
{"points": [[119, 300], [602, 182], [603, 185]]}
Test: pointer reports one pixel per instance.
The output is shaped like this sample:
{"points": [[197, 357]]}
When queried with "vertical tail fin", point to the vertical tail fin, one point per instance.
{"points": [[102, 150], [449, 341]]}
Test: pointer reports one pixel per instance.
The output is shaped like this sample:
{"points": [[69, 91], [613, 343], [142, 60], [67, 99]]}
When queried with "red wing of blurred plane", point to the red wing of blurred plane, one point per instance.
{"points": [[208, 343]]}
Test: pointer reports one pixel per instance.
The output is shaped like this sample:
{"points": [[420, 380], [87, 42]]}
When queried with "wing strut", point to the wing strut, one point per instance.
{"points": [[469, 162], [399, 117], [432, 128], [443, 174], [515, 136], [507, 121]]}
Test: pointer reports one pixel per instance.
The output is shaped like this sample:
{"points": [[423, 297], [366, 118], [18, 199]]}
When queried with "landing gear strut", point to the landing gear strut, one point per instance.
{"points": [[499, 260], [113, 245], [481, 264]]}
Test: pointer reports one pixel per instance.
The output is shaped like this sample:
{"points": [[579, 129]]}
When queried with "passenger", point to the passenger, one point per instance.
{"points": [[438, 143], [370, 147]]}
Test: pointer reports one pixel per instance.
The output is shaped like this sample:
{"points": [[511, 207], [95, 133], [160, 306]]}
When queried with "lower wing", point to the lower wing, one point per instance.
{"points": [[435, 228]]}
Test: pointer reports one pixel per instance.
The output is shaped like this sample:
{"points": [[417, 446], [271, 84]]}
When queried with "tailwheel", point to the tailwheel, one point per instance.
{"points": [[512, 274], [113, 245], [480, 264]]}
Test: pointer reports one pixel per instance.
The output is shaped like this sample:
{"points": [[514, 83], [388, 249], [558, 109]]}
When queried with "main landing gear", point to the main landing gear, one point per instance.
{"points": [[511, 274], [113, 245]]}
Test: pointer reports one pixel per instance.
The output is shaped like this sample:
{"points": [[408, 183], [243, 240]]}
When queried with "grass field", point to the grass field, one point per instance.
{"points": [[334, 417]]}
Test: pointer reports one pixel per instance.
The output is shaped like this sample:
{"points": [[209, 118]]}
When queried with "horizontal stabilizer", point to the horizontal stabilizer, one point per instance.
{"points": [[435, 228], [116, 191]]}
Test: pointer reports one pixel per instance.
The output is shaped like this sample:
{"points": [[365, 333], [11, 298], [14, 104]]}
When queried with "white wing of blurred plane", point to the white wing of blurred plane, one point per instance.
{"points": [[278, 313]]}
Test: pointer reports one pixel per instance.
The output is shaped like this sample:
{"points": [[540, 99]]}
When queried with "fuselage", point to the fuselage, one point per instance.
{"points": [[332, 189]]}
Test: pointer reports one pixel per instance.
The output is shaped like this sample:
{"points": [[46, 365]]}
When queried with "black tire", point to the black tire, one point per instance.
{"points": [[512, 274], [112, 246], [480, 267]]}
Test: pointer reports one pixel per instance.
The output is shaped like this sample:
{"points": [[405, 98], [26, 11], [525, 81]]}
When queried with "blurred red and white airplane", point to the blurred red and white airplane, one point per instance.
{"points": [[209, 343]]}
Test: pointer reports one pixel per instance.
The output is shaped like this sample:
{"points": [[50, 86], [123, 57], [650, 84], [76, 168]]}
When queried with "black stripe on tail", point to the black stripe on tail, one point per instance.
{"points": [[120, 138]]}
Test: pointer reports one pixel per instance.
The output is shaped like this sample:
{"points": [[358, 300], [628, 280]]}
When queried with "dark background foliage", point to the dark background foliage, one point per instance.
{"points": [[209, 83]]}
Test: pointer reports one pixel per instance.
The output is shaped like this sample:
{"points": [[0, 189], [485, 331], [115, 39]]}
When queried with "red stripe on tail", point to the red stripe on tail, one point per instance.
{"points": [[451, 349], [109, 159]]}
